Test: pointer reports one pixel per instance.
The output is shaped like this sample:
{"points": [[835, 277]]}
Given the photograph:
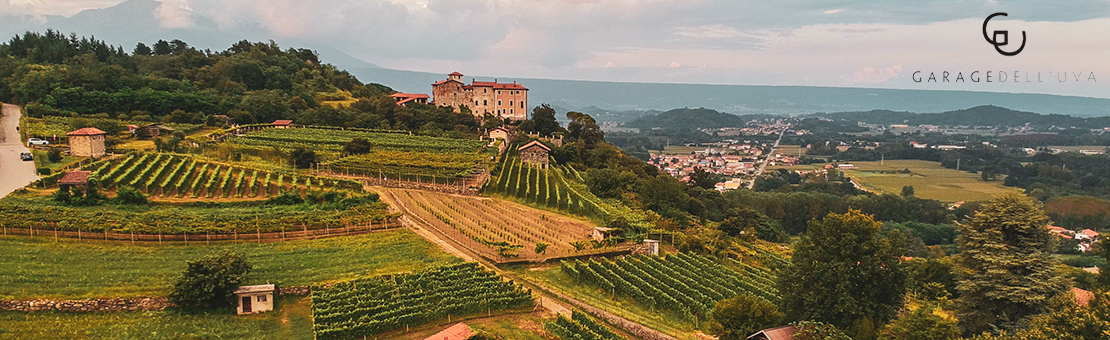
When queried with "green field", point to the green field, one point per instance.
{"points": [[292, 320], [791, 150], [43, 268], [929, 180]]}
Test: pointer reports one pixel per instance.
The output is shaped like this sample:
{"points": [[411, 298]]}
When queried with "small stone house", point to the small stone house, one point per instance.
{"points": [[777, 333], [499, 133], [600, 233], [255, 299], [535, 154], [87, 142], [75, 180], [282, 124]]}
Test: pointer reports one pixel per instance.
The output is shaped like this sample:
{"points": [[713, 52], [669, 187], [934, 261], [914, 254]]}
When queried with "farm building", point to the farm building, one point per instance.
{"points": [[1086, 234], [282, 124], [600, 233], [148, 131], [76, 179], [777, 333], [845, 166], [459, 331], [535, 154], [652, 246], [255, 299], [88, 142], [499, 132], [405, 98]]}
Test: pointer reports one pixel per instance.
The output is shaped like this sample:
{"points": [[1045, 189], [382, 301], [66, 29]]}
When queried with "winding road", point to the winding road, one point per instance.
{"points": [[766, 159], [14, 172]]}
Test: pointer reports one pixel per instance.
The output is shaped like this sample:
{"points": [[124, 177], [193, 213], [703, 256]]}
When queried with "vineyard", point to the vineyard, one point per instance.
{"points": [[688, 285], [333, 140], [174, 176], [559, 187], [580, 327], [370, 306], [497, 229], [420, 166]]}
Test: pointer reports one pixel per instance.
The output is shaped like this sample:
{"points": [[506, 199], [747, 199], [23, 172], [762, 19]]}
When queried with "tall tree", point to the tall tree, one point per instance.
{"points": [[737, 317], [211, 281], [845, 274], [1007, 271], [544, 121], [142, 49]]}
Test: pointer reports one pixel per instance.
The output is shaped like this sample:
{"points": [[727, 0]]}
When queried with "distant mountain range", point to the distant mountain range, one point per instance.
{"points": [[687, 118], [133, 21]]}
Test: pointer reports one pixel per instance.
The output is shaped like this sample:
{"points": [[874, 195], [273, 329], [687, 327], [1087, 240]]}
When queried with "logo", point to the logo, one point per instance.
{"points": [[1001, 38]]}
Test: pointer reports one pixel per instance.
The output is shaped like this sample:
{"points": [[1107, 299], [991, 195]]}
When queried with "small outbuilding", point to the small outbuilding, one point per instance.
{"points": [[459, 331], [600, 233], [87, 142], [75, 180], [535, 154], [499, 132], [282, 124], [777, 333], [255, 299], [652, 247], [404, 98]]}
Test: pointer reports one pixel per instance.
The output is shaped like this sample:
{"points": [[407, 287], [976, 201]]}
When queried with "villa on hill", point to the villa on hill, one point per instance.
{"points": [[503, 100]]}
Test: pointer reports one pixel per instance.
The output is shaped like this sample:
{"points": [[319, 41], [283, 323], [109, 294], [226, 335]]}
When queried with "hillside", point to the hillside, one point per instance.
{"points": [[985, 115], [688, 118]]}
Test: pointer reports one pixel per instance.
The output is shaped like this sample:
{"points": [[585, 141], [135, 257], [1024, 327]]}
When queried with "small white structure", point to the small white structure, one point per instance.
{"points": [[845, 166], [255, 299], [600, 233], [652, 247]]}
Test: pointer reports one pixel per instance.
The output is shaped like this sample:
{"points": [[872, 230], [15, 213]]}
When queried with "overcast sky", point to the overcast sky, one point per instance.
{"points": [[785, 42]]}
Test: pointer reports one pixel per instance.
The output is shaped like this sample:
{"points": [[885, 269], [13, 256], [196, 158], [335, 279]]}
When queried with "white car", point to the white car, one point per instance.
{"points": [[36, 141]]}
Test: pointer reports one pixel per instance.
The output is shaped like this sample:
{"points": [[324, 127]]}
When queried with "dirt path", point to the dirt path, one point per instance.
{"points": [[16, 172]]}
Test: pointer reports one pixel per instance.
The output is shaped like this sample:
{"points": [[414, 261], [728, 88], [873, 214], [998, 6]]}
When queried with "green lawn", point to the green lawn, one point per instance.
{"points": [[291, 320], [554, 278], [929, 180], [42, 160], [43, 268]]}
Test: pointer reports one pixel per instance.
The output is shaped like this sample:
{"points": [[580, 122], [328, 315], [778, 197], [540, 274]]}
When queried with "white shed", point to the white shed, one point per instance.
{"points": [[255, 299]]}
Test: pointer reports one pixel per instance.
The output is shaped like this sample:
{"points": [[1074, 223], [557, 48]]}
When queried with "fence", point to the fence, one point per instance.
{"points": [[303, 233]]}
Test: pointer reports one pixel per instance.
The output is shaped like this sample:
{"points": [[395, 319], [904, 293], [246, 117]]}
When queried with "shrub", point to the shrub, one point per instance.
{"points": [[129, 195], [211, 281], [54, 155], [302, 158], [742, 315]]}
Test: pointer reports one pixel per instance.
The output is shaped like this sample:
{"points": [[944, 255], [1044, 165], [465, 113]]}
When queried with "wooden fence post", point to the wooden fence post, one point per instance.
{"points": [[259, 233], [207, 237], [132, 237]]}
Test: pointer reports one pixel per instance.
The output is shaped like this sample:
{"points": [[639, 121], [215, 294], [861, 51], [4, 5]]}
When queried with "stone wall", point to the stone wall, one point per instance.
{"points": [[94, 305]]}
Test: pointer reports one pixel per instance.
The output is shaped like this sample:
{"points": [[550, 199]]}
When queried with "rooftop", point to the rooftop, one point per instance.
{"points": [[534, 143], [255, 289], [282, 122], [89, 131], [459, 331], [75, 177]]}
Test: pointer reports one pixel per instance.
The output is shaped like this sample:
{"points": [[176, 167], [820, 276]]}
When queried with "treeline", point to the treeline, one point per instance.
{"points": [[58, 75]]}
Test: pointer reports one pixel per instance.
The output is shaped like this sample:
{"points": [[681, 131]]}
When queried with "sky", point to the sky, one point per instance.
{"points": [[879, 44]]}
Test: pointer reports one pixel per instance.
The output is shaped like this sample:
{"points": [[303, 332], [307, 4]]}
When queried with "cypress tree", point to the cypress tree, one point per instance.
{"points": [[1007, 272]]}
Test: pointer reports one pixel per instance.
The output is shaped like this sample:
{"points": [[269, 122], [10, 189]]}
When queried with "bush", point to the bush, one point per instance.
{"points": [[302, 158], [286, 198], [743, 315], [54, 155], [43, 171], [211, 281], [129, 195], [357, 146]]}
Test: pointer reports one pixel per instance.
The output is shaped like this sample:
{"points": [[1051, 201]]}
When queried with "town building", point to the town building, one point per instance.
{"points": [[75, 180], [535, 154], [87, 142], [405, 98], [499, 132], [255, 299], [502, 100], [777, 333]]}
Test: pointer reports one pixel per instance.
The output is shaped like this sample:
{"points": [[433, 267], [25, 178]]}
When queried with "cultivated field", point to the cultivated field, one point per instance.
{"points": [[557, 188], [791, 150], [69, 269], [496, 229], [929, 180]]}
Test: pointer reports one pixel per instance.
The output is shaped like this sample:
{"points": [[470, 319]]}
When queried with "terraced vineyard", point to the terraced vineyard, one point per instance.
{"points": [[333, 140], [499, 230], [686, 284], [559, 187], [580, 326], [163, 175], [370, 306], [413, 166]]}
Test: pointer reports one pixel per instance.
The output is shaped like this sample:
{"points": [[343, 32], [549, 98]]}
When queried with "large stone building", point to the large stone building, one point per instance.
{"points": [[503, 100], [87, 142]]}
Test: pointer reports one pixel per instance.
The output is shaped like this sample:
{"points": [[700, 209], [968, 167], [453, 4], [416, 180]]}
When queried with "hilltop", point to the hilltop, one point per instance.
{"points": [[984, 115], [687, 118]]}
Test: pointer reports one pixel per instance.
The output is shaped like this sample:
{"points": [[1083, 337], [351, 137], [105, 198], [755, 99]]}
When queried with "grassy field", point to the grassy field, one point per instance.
{"points": [[292, 320], [42, 160], [791, 150], [929, 180], [43, 268]]}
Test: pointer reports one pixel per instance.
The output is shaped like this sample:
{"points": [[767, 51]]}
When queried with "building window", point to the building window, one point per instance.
{"points": [[261, 298], [484, 102], [498, 102], [475, 103], [510, 111], [522, 105], [510, 103], [498, 92]]}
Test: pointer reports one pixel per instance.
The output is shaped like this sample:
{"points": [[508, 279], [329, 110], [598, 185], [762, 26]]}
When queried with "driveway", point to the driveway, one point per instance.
{"points": [[14, 173]]}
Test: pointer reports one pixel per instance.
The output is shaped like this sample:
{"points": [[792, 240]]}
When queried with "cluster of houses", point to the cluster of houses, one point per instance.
{"points": [[756, 128], [728, 158], [1086, 237]]}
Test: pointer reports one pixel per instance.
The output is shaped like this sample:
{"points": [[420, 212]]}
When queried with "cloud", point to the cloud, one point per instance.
{"points": [[717, 31], [174, 14], [870, 75], [833, 11], [674, 64]]}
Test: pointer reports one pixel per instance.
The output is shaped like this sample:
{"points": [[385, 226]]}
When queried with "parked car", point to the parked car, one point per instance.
{"points": [[36, 141], [26, 156]]}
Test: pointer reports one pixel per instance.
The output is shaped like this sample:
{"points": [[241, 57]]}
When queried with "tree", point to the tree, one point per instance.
{"points": [[357, 146], [926, 322], [544, 123], [1007, 272], [302, 158], [816, 330], [704, 179], [907, 191], [211, 281], [609, 183], [162, 47], [748, 222], [844, 274], [541, 248], [141, 49], [737, 317]]}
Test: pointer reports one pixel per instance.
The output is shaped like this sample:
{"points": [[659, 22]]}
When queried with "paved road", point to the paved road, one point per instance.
{"points": [[766, 159], [14, 173]]}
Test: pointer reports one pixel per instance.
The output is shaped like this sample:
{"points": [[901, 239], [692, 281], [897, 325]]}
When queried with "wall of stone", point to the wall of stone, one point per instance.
{"points": [[93, 305]]}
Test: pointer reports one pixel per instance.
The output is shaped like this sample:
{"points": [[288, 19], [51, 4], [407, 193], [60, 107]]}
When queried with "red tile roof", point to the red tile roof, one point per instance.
{"points": [[89, 131], [499, 86], [1082, 296], [75, 177], [777, 333], [408, 95], [456, 73], [282, 122], [1089, 232], [536, 143], [459, 331]]}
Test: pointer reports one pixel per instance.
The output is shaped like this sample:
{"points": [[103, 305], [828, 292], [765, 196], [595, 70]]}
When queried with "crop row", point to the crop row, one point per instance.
{"points": [[687, 284], [370, 306], [579, 327], [544, 187], [334, 139]]}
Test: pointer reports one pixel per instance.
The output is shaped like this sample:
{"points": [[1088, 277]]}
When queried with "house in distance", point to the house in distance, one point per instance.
{"points": [[535, 154], [255, 299], [87, 142], [502, 100]]}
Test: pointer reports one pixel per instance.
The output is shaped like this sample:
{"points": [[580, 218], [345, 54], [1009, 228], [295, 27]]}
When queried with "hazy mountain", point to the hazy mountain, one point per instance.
{"points": [[688, 119], [134, 21], [986, 115]]}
